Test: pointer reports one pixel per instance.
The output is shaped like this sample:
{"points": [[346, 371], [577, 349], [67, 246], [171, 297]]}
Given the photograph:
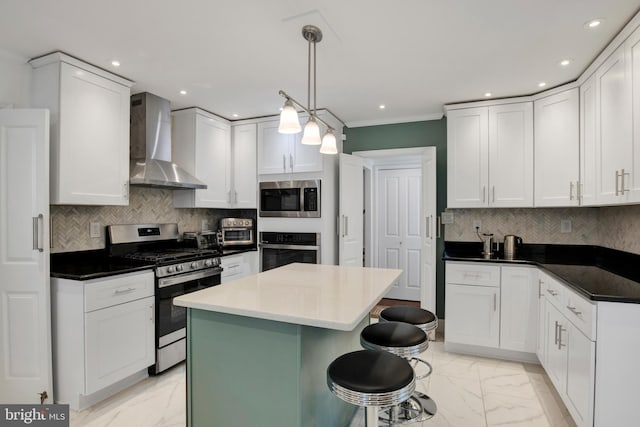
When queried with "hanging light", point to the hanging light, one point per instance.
{"points": [[289, 122], [329, 143], [311, 134]]}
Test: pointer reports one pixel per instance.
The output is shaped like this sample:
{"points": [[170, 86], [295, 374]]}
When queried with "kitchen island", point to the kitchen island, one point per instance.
{"points": [[258, 348]]}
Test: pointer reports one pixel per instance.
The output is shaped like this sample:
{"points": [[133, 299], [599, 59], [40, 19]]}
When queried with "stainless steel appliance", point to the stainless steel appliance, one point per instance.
{"points": [[179, 269], [511, 245], [236, 232], [278, 249], [290, 199]]}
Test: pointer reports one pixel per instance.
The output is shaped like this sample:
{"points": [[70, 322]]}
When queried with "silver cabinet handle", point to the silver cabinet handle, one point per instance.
{"points": [[540, 294], [493, 190], [438, 226], [123, 291], [428, 225], [622, 186], [233, 266], [343, 225], [560, 331], [36, 232], [346, 225], [553, 293], [617, 188], [574, 311], [284, 163], [495, 302], [556, 334], [484, 194], [570, 190]]}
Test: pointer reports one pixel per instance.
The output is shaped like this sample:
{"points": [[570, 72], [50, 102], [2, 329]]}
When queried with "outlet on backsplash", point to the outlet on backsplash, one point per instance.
{"points": [[565, 226], [94, 229], [204, 225]]}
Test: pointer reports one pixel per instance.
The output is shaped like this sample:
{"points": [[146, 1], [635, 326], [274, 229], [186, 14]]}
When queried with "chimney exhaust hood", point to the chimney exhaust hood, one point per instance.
{"points": [[150, 149]]}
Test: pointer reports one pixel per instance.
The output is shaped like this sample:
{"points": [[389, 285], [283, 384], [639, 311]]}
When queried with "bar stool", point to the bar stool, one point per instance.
{"points": [[371, 379], [407, 341], [424, 319]]}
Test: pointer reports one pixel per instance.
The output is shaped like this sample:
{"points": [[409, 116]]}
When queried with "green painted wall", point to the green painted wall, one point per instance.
{"points": [[431, 133]]}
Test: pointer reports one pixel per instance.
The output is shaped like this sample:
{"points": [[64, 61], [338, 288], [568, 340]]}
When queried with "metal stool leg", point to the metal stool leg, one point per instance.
{"points": [[371, 416]]}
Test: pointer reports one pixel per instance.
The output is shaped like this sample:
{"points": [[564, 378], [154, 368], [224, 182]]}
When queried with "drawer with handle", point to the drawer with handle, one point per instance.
{"points": [[473, 274], [106, 292], [581, 312], [553, 290]]}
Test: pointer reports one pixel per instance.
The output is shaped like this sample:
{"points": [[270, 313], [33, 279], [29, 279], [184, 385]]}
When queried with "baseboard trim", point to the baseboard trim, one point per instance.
{"points": [[495, 353]]}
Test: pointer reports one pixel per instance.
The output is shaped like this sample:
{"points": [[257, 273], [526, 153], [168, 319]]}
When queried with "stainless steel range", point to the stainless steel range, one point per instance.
{"points": [[179, 269]]}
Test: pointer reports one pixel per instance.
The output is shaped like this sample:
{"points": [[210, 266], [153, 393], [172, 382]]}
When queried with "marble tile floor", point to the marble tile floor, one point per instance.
{"points": [[469, 391]]}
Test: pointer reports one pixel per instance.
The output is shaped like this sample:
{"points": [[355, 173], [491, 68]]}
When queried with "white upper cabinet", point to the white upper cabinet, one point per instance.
{"points": [[89, 130], [588, 134], [202, 146], [467, 157], [557, 150], [283, 153], [244, 166], [490, 156], [632, 50], [614, 145]]}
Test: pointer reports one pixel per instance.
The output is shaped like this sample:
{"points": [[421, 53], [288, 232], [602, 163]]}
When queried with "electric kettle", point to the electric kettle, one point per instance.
{"points": [[511, 244]]}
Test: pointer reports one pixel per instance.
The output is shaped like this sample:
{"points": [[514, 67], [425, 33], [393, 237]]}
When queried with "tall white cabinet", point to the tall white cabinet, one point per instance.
{"points": [[89, 130], [283, 153], [557, 150], [490, 156], [25, 337]]}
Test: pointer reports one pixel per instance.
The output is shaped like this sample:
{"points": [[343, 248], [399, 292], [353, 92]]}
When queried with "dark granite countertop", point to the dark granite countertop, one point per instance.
{"points": [[598, 273], [87, 265]]}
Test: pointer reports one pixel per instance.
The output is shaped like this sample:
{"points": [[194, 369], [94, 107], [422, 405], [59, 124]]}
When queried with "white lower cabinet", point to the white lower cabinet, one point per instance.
{"points": [[103, 335], [238, 266], [491, 306]]}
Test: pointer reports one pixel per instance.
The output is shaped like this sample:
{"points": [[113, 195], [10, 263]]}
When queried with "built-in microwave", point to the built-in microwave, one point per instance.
{"points": [[290, 199]]}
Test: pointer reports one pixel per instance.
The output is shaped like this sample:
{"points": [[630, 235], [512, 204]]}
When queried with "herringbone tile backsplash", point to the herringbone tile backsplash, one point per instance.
{"points": [[613, 227], [71, 224]]}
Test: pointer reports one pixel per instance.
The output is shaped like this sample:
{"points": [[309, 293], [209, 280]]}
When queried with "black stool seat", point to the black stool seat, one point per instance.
{"points": [[369, 371], [401, 339], [420, 317]]}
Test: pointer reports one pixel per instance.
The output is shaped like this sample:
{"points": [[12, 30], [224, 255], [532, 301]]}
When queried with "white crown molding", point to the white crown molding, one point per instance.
{"points": [[378, 122]]}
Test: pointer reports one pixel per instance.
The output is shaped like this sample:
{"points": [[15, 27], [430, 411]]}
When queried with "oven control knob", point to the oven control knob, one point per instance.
{"points": [[179, 268], [170, 269], [208, 263], [194, 265]]}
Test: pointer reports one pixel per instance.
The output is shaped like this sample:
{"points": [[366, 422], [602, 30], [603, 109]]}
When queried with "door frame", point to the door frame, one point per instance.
{"points": [[397, 158]]}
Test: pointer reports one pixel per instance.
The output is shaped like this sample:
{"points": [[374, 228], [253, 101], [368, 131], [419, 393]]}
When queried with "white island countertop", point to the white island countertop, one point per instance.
{"points": [[325, 296]]}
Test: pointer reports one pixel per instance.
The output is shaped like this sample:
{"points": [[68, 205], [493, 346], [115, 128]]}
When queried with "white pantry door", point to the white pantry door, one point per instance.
{"points": [[399, 195], [25, 331], [431, 229], [351, 216]]}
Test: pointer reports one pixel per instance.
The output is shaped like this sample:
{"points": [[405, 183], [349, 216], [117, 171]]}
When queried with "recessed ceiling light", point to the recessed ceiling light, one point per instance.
{"points": [[542, 84], [115, 63], [183, 92], [565, 62], [487, 94], [594, 23], [382, 106], [235, 114]]}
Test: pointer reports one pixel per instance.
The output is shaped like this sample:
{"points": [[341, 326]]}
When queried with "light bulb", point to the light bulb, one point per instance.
{"points": [[289, 122], [311, 133], [329, 143]]}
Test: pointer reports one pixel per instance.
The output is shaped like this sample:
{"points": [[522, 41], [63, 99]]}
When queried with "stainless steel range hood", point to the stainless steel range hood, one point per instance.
{"points": [[150, 149]]}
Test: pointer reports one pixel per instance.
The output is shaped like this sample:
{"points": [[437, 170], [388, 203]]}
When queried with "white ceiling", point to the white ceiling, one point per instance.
{"points": [[411, 55]]}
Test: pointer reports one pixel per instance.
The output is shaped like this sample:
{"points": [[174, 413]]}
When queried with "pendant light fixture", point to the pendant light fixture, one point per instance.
{"points": [[289, 122]]}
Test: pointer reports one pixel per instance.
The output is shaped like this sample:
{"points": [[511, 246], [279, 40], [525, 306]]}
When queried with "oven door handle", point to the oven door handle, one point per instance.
{"points": [[300, 247], [168, 281]]}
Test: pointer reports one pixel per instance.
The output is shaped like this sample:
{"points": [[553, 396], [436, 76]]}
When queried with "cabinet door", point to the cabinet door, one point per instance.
{"points": [[119, 342], [588, 135], [580, 375], [511, 155], [91, 166], [213, 163], [467, 161], [556, 366], [518, 313], [632, 48], [305, 158], [244, 167], [614, 141], [541, 347], [473, 315], [557, 149], [273, 149]]}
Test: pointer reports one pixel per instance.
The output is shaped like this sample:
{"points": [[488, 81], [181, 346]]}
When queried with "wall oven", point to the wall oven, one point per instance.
{"points": [[290, 199], [278, 249]]}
